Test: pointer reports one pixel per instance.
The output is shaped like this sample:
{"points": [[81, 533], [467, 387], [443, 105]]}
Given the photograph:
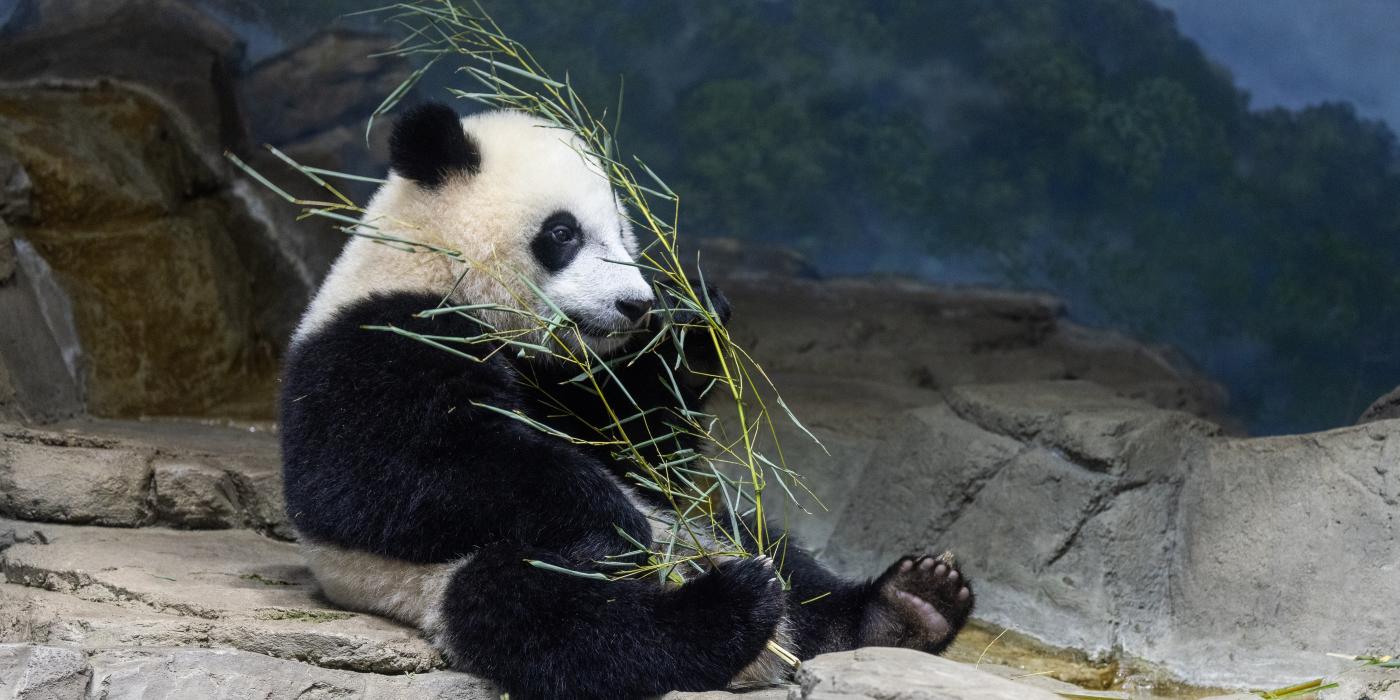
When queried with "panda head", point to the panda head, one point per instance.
{"points": [[520, 200]]}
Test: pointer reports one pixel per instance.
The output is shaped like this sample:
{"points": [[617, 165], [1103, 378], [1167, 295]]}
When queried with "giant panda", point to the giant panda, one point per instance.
{"points": [[414, 502]]}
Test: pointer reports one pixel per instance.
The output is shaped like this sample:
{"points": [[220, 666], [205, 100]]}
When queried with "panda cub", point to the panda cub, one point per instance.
{"points": [[413, 502]]}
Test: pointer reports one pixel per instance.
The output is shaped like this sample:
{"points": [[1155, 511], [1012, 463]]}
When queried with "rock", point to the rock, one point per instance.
{"points": [[1285, 550], [98, 587], [74, 484], [852, 418], [903, 333], [1371, 683], [762, 694], [9, 398], [1092, 425], [182, 64], [15, 191], [1384, 408], [43, 384], [1158, 375], [887, 674], [146, 246], [1033, 680], [313, 102], [216, 674], [1102, 523], [183, 474], [331, 79], [43, 673], [178, 53], [7, 253], [217, 494]]}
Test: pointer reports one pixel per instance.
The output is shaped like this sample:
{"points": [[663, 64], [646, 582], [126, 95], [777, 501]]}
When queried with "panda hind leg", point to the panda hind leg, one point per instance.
{"points": [[920, 602], [544, 634]]}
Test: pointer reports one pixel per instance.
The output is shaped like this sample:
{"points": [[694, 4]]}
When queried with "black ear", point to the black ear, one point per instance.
{"points": [[429, 145]]}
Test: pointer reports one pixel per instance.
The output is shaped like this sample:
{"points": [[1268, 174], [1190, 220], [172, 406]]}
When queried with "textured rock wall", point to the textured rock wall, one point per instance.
{"points": [[1083, 480], [142, 238]]}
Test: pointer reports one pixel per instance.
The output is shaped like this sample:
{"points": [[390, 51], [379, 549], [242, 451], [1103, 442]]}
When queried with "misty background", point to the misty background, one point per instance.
{"points": [[1220, 177]]}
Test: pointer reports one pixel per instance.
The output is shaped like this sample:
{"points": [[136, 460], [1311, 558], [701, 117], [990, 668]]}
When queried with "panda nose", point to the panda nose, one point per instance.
{"points": [[634, 309]]}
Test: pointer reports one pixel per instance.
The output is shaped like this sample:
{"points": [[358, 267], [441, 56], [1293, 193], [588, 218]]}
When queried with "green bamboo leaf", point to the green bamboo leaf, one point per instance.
{"points": [[561, 570]]}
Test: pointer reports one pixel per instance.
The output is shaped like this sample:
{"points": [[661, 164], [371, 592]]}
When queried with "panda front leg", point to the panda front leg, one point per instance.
{"points": [[545, 634]]}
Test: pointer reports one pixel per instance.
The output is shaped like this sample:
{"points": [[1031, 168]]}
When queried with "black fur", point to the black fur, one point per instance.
{"points": [[385, 452], [429, 145], [554, 252]]}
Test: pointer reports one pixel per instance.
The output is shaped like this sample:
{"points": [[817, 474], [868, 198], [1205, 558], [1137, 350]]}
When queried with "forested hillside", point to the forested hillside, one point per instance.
{"points": [[1079, 146]]}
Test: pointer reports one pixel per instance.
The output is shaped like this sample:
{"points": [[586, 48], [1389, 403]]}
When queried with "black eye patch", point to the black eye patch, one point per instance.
{"points": [[560, 238]]}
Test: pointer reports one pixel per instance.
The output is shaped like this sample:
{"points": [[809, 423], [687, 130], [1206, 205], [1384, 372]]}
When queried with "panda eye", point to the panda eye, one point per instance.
{"points": [[563, 234]]}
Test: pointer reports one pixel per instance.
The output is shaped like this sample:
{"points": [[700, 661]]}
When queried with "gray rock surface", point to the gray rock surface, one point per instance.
{"points": [[321, 122], [1083, 480], [331, 78], [100, 485], [1365, 684], [30, 672], [1099, 522], [16, 192], [172, 48], [1287, 547], [7, 253], [902, 674], [125, 473], [903, 333], [37, 672], [102, 587], [41, 387]]}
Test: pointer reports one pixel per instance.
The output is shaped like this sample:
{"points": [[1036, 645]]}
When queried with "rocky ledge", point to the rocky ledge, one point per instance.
{"points": [[1080, 477]]}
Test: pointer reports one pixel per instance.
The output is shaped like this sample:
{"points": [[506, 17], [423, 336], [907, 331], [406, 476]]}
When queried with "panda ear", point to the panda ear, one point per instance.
{"points": [[429, 145]]}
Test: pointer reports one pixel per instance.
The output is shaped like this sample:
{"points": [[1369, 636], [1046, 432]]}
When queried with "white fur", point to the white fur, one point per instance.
{"points": [[407, 592], [529, 170]]}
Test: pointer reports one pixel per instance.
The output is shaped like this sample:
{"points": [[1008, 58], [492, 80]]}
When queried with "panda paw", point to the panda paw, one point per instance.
{"points": [[710, 296], [920, 602], [717, 303], [739, 603]]}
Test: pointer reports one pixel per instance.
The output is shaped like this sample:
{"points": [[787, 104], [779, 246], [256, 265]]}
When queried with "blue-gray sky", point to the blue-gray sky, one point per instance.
{"points": [[1292, 53]]}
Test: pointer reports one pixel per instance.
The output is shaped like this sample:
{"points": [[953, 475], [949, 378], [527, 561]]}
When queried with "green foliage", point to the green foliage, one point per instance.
{"points": [[1078, 145]]}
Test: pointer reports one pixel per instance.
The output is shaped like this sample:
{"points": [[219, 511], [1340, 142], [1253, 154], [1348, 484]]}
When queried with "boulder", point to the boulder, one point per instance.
{"points": [[1286, 550], [1103, 523], [903, 333], [1370, 683], [146, 246], [30, 672], [903, 674], [103, 486], [332, 78], [1384, 408], [7, 253], [177, 473], [39, 359], [172, 49], [41, 672], [15, 192], [101, 587], [313, 102]]}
